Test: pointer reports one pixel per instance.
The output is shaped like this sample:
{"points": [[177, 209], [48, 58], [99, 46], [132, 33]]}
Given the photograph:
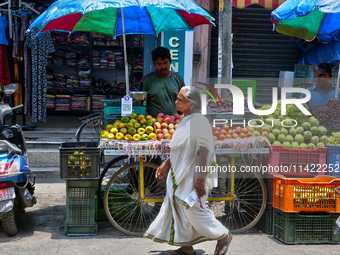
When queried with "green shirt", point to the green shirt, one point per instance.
{"points": [[162, 93]]}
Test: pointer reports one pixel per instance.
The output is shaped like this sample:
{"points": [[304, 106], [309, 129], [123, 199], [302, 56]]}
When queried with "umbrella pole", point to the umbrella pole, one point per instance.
{"points": [[337, 83], [126, 64]]}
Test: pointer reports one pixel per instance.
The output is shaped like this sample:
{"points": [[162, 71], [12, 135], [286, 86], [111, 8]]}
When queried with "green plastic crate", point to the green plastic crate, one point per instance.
{"points": [[80, 207], [295, 228], [266, 221], [79, 160], [117, 110], [244, 85]]}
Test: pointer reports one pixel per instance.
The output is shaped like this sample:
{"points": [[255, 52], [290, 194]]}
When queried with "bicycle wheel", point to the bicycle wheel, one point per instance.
{"points": [[122, 203], [248, 204], [111, 168], [90, 129]]}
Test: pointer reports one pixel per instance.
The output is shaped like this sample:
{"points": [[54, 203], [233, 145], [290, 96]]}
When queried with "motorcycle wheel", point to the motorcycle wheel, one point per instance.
{"points": [[8, 223]]}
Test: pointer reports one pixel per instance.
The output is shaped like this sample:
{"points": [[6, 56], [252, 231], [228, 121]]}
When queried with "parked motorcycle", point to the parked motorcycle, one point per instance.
{"points": [[16, 179]]}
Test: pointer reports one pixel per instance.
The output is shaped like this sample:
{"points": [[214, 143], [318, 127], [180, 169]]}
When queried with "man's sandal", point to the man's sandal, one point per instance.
{"points": [[225, 244]]}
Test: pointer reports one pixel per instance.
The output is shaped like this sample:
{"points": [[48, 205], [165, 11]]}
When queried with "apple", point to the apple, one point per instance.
{"points": [[244, 130], [228, 136], [157, 125], [165, 131], [160, 136], [166, 116], [167, 120], [249, 134], [171, 126], [221, 137], [178, 116], [235, 135], [160, 115], [172, 122], [171, 131], [158, 131], [176, 125], [256, 133], [164, 125], [172, 118], [231, 131], [216, 133], [242, 135], [226, 127], [177, 121], [167, 136], [214, 129], [223, 132], [160, 119], [219, 128], [238, 130]]}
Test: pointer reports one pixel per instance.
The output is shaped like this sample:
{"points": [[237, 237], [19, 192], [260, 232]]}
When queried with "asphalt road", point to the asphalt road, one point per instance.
{"points": [[41, 231]]}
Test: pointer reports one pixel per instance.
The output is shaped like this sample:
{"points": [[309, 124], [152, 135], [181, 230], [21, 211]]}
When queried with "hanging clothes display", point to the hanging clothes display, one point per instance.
{"points": [[5, 77], [40, 46], [27, 67]]}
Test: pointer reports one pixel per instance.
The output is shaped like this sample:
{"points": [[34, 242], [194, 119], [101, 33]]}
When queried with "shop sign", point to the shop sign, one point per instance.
{"points": [[175, 42]]}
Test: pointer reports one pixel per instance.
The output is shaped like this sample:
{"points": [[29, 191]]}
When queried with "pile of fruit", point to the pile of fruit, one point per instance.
{"points": [[225, 132], [292, 112], [227, 105], [307, 136], [334, 139], [132, 128], [166, 125], [141, 128], [328, 114]]}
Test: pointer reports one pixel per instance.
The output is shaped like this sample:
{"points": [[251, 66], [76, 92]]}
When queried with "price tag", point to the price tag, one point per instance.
{"points": [[126, 105]]}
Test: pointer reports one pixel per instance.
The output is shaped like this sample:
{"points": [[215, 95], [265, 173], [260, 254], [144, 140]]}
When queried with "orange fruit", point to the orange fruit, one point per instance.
{"points": [[148, 117], [123, 131], [108, 127], [121, 125], [152, 136], [142, 121], [111, 136], [114, 130], [128, 137], [136, 137], [119, 136]]}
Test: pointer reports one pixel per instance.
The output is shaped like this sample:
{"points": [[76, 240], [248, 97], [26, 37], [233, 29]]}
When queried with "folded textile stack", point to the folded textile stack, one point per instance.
{"points": [[59, 80], [136, 40], [97, 105], [74, 38], [84, 61], [119, 60], [96, 59], [63, 103], [112, 42], [49, 77], [78, 102], [50, 101], [84, 79], [72, 82]]}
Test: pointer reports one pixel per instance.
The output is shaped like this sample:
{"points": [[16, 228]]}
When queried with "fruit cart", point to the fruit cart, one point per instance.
{"points": [[132, 197]]}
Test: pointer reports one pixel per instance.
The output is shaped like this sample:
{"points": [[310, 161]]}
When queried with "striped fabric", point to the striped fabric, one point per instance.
{"points": [[268, 4]]}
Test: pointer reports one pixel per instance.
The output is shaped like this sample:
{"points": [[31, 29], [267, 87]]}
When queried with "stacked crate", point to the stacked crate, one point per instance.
{"points": [[305, 209], [294, 164], [79, 166]]}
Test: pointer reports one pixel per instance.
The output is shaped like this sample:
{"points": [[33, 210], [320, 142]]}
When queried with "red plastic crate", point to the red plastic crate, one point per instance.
{"points": [[295, 162], [306, 194]]}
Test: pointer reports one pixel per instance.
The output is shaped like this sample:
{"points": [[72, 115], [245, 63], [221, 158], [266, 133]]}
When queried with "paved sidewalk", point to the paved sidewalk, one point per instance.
{"points": [[41, 231]]}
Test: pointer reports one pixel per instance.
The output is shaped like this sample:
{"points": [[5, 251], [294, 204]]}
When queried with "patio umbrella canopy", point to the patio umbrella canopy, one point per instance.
{"points": [[310, 19], [120, 17]]}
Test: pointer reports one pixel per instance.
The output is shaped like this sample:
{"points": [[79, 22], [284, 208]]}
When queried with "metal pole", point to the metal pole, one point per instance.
{"points": [[224, 45], [337, 83], [125, 56]]}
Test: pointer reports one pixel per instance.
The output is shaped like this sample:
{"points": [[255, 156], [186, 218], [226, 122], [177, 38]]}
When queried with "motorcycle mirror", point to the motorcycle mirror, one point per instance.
{"points": [[10, 89]]}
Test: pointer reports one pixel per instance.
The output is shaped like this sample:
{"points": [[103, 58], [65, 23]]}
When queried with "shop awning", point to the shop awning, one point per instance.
{"points": [[268, 4]]}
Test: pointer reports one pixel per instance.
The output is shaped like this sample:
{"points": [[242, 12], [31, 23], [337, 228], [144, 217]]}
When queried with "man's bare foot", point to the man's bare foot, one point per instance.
{"points": [[225, 247], [187, 249]]}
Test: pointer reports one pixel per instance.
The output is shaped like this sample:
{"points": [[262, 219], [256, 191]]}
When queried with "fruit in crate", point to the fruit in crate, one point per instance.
{"points": [[307, 136], [334, 139], [165, 125], [127, 127]]}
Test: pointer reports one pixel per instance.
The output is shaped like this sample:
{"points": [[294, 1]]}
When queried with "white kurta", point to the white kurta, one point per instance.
{"points": [[177, 223]]}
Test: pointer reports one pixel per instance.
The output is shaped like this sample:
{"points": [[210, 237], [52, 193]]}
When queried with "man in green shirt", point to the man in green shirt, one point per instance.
{"points": [[162, 85]]}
